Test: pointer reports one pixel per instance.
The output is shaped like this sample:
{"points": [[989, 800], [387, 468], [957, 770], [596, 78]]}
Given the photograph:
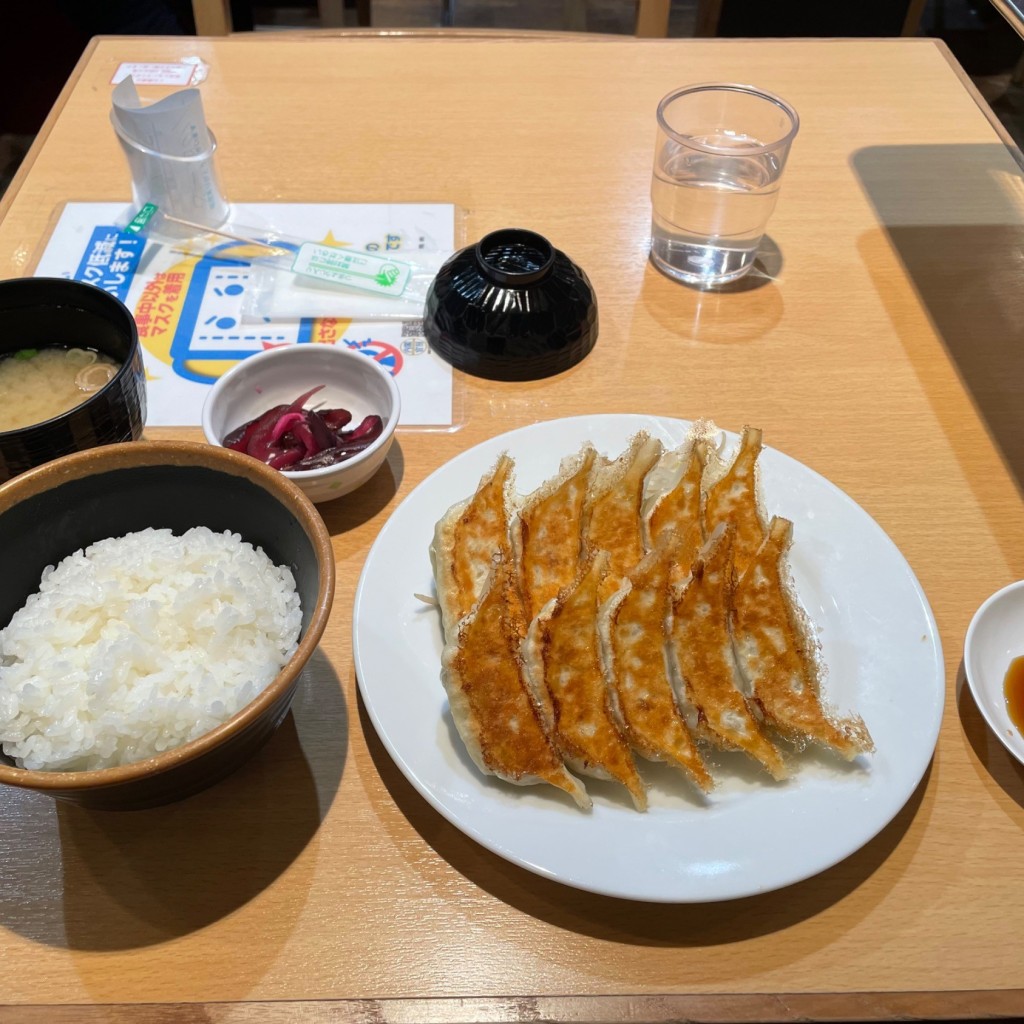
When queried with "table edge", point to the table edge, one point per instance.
{"points": [[972, 90], [713, 1008]]}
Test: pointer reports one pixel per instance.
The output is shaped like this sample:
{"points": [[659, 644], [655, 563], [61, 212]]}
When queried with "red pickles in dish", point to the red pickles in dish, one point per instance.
{"points": [[295, 438]]}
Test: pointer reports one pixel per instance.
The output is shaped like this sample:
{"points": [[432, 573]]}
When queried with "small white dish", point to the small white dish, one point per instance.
{"points": [[352, 380], [994, 638]]}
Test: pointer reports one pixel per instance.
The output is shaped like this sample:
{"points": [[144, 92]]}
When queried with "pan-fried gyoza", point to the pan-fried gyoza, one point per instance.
{"points": [[468, 539], [631, 625], [492, 708], [630, 604], [778, 657]]}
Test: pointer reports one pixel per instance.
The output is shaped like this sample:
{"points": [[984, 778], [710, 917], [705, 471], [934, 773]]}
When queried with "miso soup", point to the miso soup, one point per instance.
{"points": [[38, 384]]}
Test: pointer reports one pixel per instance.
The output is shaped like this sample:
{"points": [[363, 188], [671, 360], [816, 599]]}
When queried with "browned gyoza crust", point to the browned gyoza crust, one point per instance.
{"points": [[548, 527], [585, 730], [733, 499], [702, 648], [776, 654], [633, 629], [678, 513], [611, 513], [490, 703], [468, 540]]}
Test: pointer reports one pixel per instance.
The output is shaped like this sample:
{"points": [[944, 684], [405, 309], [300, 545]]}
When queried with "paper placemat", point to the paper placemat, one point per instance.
{"points": [[190, 307]]}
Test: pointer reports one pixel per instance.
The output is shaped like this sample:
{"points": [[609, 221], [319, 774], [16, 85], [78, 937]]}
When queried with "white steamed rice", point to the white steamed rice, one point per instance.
{"points": [[139, 644]]}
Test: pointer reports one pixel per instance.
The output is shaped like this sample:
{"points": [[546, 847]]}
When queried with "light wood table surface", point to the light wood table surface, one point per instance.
{"points": [[315, 884]]}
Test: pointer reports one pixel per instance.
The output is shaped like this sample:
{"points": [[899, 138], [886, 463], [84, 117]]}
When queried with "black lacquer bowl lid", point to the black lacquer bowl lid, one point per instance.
{"points": [[511, 307]]}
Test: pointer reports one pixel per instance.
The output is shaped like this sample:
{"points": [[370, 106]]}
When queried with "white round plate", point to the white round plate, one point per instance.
{"points": [[993, 640], [751, 835]]}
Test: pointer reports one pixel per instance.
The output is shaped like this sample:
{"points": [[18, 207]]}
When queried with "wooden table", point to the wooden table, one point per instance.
{"points": [[315, 884]]}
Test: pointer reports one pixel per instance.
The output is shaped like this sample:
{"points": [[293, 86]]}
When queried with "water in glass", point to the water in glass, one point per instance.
{"points": [[710, 209]]}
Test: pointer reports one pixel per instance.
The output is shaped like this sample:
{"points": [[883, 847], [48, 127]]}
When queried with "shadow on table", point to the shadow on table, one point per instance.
{"points": [[124, 880], [736, 314], [954, 216], [351, 510], [1002, 767], [671, 925]]}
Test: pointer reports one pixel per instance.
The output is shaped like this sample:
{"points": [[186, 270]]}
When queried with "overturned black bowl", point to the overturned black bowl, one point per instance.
{"points": [[511, 307], [42, 312]]}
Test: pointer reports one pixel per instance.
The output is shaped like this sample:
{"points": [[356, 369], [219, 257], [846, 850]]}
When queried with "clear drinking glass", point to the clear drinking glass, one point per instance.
{"points": [[720, 154], [181, 186]]}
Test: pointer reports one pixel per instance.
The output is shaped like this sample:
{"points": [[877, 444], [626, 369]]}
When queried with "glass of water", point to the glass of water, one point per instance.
{"points": [[718, 165]]}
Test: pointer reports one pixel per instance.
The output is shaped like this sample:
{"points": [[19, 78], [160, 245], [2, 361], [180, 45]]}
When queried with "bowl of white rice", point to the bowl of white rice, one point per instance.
{"points": [[160, 600]]}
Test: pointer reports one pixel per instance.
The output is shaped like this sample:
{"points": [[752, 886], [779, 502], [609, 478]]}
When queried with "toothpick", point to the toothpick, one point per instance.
{"points": [[273, 249]]}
